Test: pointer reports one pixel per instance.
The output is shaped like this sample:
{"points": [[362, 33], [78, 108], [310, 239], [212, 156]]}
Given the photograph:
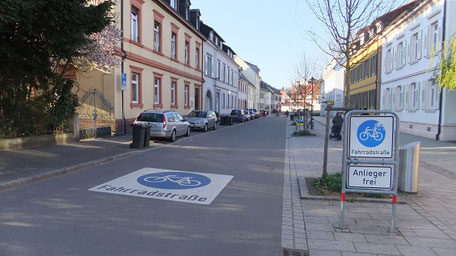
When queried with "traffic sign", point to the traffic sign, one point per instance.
{"points": [[371, 136], [180, 186], [124, 81], [369, 177]]}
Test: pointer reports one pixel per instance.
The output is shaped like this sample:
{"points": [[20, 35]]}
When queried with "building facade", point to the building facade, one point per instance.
{"points": [[332, 86], [412, 52], [221, 73], [252, 73], [162, 49]]}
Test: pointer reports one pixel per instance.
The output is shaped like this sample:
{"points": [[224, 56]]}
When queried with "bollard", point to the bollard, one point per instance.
{"points": [[409, 163]]}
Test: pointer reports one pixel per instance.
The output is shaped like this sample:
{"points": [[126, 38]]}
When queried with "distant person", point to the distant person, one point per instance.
{"points": [[337, 127], [286, 113]]}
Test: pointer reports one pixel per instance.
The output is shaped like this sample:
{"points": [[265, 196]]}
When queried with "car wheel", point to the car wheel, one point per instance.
{"points": [[173, 136], [205, 128], [215, 126], [188, 131]]}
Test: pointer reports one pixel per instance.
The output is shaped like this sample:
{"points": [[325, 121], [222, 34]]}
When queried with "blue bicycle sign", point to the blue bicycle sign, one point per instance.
{"points": [[174, 180], [371, 133]]}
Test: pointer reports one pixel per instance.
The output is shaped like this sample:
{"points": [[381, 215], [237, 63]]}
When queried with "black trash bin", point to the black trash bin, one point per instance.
{"points": [[147, 136], [138, 136], [230, 120]]}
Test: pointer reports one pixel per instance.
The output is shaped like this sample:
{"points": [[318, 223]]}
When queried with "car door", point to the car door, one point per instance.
{"points": [[181, 127]]}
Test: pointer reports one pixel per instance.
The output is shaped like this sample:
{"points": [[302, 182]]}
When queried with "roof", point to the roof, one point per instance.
{"points": [[226, 48], [206, 30], [253, 66], [246, 79]]}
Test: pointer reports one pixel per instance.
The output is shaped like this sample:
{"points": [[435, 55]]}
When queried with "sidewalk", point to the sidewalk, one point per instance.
{"points": [[426, 224], [27, 165]]}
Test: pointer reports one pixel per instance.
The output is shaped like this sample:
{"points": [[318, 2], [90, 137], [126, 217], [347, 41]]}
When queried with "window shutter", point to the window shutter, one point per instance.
{"points": [[417, 99], [438, 47], [428, 93], [407, 96], [412, 49], [437, 97], [429, 38], [402, 99], [420, 45], [393, 96], [423, 95], [384, 99]]}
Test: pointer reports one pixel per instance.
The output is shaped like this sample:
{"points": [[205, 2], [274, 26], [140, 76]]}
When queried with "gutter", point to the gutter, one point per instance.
{"points": [[439, 129], [124, 55]]}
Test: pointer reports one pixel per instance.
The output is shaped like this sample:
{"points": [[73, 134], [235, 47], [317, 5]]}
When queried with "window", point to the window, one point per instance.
{"points": [[135, 24], [208, 65], [434, 100], [157, 36], [187, 53], [414, 98], [173, 4], [218, 70], [400, 92], [224, 72], [400, 55], [173, 93], [186, 95], [173, 45], [415, 47], [157, 91], [223, 100], [388, 62], [197, 58], [232, 76], [434, 35], [228, 75], [135, 88]]}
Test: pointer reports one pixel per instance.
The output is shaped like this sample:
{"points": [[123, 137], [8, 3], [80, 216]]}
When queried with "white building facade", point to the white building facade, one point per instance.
{"points": [[252, 73], [332, 86], [411, 56], [221, 73]]}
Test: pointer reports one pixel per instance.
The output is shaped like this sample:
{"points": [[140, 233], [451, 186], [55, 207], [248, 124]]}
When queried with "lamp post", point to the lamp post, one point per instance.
{"points": [[312, 80]]}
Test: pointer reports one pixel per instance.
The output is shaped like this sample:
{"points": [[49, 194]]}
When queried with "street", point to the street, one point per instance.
{"points": [[60, 216]]}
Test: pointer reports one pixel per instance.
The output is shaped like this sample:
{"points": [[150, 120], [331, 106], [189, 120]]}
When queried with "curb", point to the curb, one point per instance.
{"points": [[58, 172], [304, 194]]}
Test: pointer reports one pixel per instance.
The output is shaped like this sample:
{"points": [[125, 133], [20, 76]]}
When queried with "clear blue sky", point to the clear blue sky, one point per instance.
{"points": [[269, 33]]}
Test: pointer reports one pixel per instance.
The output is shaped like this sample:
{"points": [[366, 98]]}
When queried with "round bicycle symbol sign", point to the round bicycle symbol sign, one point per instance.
{"points": [[174, 180], [371, 133]]}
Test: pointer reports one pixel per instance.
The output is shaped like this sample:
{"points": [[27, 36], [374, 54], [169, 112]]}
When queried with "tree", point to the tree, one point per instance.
{"points": [[40, 40], [304, 70], [447, 75], [342, 19]]}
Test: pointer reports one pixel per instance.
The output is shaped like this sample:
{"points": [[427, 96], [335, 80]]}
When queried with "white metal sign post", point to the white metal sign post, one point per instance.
{"points": [[370, 156]]}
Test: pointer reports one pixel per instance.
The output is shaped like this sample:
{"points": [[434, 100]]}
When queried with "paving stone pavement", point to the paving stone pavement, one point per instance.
{"points": [[426, 224]]}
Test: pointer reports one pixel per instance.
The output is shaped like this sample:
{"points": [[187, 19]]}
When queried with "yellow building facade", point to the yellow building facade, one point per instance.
{"points": [[162, 51], [364, 78]]}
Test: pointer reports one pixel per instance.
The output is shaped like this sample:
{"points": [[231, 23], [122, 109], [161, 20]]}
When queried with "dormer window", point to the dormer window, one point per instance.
{"points": [[187, 13], [173, 4], [211, 36], [197, 23]]}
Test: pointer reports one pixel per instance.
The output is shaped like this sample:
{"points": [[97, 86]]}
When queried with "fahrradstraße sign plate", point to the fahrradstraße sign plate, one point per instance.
{"points": [[371, 136], [173, 185]]}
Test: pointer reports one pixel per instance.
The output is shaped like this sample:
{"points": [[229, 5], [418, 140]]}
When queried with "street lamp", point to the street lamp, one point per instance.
{"points": [[312, 80]]}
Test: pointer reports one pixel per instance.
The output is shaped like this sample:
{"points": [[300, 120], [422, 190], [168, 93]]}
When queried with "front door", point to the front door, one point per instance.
{"points": [[197, 98]]}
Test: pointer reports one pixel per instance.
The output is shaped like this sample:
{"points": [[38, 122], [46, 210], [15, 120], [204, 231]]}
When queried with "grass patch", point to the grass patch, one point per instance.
{"points": [[304, 133], [332, 186], [293, 124]]}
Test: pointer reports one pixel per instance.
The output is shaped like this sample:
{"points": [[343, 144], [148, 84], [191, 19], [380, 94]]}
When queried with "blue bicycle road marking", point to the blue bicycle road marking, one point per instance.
{"points": [[174, 180], [371, 133]]}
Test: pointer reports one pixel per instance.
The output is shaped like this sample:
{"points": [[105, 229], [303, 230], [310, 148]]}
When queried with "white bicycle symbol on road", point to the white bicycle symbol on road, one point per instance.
{"points": [[183, 181], [372, 133]]}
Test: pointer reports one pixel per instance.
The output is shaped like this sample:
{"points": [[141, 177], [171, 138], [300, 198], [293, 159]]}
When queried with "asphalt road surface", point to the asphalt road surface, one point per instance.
{"points": [[60, 216]]}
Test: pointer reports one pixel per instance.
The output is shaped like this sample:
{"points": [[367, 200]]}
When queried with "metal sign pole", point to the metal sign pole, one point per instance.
{"points": [[344, 167], [396, 175]]}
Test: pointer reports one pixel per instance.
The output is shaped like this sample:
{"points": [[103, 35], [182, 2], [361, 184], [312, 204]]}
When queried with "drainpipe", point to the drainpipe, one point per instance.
{"points": [[439, 132], [124, 54]]}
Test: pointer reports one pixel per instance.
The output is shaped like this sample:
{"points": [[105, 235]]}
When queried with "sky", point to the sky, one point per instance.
{"points": [[269, 33]]}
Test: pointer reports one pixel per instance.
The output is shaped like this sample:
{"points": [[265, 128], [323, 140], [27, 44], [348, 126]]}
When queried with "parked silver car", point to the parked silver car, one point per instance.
{"points": [[164, 124], [202, 120]]}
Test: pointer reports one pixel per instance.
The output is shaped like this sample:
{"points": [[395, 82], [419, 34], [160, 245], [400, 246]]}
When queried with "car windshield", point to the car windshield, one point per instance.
{"points": [[150, 117], [235, 112], [201, 114]]}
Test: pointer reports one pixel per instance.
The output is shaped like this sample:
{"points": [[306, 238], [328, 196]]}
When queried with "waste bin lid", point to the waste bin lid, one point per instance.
{"points": [[411, 145]]}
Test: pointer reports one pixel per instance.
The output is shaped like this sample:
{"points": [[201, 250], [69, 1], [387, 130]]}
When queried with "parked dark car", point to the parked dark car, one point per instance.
{"points": [[238, 115]]}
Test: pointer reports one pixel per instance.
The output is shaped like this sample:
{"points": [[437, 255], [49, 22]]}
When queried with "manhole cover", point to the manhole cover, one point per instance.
{"points": [[294, 252]]}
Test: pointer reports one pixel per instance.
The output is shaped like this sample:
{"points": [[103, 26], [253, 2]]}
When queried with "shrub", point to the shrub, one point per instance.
{"points": [[304, 133], [332, 183]]}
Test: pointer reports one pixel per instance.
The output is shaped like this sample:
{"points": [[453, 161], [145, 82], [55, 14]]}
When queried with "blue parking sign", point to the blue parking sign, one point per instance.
{"points": [[124, 81]]}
